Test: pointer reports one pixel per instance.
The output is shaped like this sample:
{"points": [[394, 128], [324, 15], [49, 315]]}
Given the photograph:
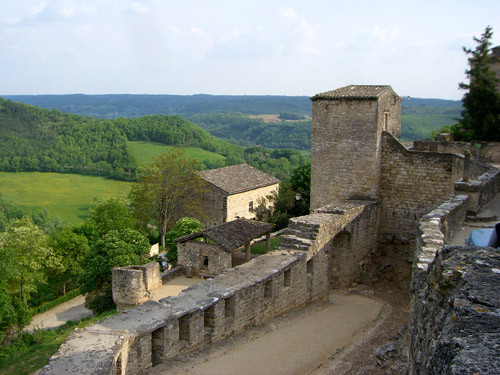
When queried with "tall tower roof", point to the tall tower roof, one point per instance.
{"points": [[364, 92]]}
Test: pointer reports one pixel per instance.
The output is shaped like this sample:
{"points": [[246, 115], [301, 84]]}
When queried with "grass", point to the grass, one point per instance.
{"points": [[144, 152], [260, 248], [68, 196], [31, 351]]}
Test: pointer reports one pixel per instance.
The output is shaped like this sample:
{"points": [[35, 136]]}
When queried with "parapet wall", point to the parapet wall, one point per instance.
{"points": [[480, 190], [346, 232], [153, 332], [412, 184], [454, 322], [487, 152]]}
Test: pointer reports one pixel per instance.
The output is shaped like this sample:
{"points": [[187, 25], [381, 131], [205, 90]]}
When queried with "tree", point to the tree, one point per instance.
{"points": [[481, 114], [24, 255], [115, 249], [301, 184], [111, 214], [167, 190], [183, 227], [71, 248]]}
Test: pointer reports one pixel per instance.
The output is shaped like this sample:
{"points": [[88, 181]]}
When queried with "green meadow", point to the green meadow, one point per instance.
{"points": [[144, 152], [68, 196]]}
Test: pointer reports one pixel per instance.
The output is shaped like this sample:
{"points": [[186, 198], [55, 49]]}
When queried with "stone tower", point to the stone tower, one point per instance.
{"points": [[347, 129]]}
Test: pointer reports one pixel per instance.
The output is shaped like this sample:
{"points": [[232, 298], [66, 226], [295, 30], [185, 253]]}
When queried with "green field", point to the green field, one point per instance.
{"points": [[68, 196], [144, 152]]}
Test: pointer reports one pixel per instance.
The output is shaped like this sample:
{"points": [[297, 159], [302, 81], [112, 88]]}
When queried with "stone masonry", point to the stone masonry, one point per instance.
{"points": [[346, 147]]}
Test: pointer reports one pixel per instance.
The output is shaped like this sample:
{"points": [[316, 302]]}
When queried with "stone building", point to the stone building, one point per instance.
{"points": [[346, 149], [234, 192], [211, 259]]}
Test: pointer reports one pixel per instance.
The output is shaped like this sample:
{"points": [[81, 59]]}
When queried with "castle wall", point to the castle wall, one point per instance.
{"points": [[412, 184], [481, 189], [343, 236], [154, 332], [453, 327], [488, 152]]}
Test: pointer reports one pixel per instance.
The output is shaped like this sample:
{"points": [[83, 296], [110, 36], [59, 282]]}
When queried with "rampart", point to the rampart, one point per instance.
{"points": [[482, 188], [265, 287], [486, 152], [454, 321], [412, 184]]}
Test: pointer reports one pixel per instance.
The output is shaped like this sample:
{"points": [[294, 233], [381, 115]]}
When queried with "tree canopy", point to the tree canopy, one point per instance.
{"points": [[166, 190], [481, 114]]}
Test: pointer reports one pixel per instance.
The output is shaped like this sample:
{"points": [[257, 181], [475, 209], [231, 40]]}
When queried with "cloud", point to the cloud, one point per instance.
{"points": [[299, 37], [288, 12]]}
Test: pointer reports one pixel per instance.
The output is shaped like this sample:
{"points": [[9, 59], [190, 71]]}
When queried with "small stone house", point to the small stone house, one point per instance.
{"points": [[220, 246], [233, 192]]}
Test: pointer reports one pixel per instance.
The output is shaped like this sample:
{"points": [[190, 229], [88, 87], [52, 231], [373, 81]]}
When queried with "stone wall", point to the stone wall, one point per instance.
{"points": [[343, 235], [220, 207], [488, 152], [204, 258], [345, 151], [132, 285], [214, 206], [242, 204], [481, 189], [412, 184], [153, 332], [455, 325]]}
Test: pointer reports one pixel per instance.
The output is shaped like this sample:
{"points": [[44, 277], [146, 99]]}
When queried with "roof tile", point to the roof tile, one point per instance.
{"points": [[238, 178], [353, 92]]}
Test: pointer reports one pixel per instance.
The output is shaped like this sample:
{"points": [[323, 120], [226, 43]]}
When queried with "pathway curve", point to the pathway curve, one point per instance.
{"points": [[74, 309], [295, 347]]}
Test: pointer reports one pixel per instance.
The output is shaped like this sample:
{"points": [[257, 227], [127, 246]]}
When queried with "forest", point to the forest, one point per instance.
{"points": [[36, 139]]}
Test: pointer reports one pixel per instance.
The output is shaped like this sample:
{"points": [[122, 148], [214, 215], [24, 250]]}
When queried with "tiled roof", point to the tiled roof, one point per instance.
{"points": [[353, 92], [233, 234], [238, 178]]}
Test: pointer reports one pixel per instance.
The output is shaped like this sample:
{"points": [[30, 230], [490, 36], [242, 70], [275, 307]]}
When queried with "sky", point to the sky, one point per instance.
{"points": [[238, 47]]}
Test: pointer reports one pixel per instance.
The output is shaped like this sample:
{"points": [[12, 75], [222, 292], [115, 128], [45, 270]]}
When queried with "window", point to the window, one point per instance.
{"points": [[205, 261], [386, 120], [310, 265], [268, 289], [184, 328], [250, 206], [229, 307], [288, 278]]}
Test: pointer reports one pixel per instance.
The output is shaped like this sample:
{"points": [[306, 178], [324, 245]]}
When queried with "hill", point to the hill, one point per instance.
{"points": [[113, 106], [35, 139], [226, 116]]}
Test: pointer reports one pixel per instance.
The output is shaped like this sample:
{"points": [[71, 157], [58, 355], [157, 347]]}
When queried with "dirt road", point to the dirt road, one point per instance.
{"points": [[73, 309]]}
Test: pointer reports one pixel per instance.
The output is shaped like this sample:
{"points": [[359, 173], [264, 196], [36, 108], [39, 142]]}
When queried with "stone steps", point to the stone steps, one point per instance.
{"points": [[298, 236]]}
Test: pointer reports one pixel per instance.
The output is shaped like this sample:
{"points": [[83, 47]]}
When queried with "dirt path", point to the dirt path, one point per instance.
{"points": [[73, 309], [296, 343]]}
